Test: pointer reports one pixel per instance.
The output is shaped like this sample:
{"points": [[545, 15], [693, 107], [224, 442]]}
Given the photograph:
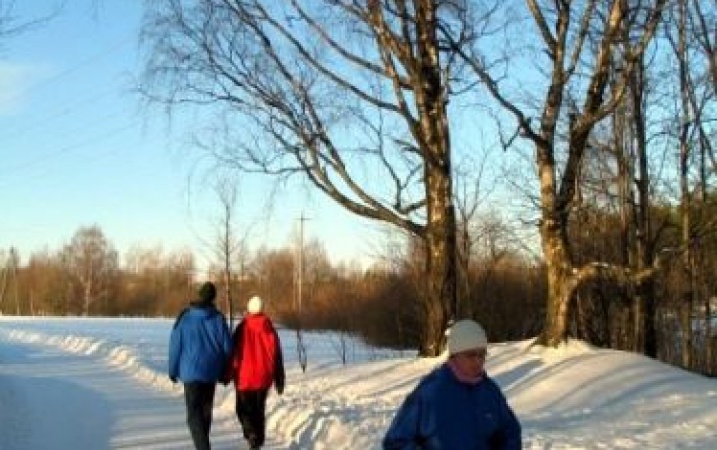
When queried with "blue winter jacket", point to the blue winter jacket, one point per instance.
{"points": [[443, 413], [200, 345]]}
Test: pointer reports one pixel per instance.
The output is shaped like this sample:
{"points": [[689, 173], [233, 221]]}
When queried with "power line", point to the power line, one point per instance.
{"points": [[67, 149], [63, 111], [84, 63]]}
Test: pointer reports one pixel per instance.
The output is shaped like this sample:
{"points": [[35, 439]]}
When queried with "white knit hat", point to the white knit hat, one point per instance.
{"points": [[255, 305], [466, 335]]}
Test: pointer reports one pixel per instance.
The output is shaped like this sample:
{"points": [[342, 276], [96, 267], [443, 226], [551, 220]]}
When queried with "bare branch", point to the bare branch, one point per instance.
{"points": [[548, 37]]}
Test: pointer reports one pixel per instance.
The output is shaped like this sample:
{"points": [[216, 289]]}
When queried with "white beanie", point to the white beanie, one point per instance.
{"points": [[255, 305], [466, 335]]}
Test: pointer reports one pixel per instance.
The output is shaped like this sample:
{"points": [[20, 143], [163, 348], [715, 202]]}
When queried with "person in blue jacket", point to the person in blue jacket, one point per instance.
{"points": [[199, 349], [456, 406]]}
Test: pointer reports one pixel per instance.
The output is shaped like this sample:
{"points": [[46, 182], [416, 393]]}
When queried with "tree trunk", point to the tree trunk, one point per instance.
{"points": [[686, 343], [228, 292], [648, 293], [560, 285], [556, 313], [441, 281], [638, 324], [87, 298], [440, 229]]}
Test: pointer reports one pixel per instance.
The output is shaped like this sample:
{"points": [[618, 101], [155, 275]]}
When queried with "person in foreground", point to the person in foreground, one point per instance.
{"points": [[257, 363], [199, 348], [457, 406]]}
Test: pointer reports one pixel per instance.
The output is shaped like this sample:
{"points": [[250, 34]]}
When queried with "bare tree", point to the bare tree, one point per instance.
{"points": [[703, 18], [685, 189], [693, 48], [229, 245], [629, 146], [351, 95], [93, 261], [9, 269], [471, 192], [582, 43]]}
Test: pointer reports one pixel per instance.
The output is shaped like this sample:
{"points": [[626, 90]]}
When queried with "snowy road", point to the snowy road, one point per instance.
{"points": [[52, 399], [98, 383]]}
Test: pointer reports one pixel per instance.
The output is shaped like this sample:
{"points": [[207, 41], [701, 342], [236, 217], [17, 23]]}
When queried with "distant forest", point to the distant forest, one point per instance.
{"points": [[502, 286], [86, 278]]}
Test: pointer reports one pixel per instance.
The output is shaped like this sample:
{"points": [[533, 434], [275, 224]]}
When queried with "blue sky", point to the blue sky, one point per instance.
{"points": [[77, 150]]}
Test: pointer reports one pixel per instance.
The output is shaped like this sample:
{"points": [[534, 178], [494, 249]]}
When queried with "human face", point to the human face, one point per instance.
{"points": [[471, 362]]}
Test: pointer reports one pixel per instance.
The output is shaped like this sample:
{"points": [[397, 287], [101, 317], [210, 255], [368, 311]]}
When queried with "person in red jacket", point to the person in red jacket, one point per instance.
{"points": [[257, 363]]}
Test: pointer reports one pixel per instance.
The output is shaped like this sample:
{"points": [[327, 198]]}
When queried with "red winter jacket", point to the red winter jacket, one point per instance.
{"points": [[257, 361]]}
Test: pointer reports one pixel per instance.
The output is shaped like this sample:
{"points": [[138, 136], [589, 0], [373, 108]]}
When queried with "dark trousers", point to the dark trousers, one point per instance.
{"points": [[251, 412], [199, 398]]}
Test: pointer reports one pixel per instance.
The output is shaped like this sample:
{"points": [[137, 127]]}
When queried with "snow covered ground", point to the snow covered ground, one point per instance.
{"points": [[108, 376]]}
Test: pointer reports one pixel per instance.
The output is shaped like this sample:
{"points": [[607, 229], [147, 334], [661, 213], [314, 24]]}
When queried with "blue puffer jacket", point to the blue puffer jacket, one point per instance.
{"points": [[200, 345], [443, 413]]}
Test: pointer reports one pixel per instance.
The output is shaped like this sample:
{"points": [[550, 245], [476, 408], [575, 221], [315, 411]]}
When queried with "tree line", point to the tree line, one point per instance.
{"points": [[85, 278], [502, 286]]}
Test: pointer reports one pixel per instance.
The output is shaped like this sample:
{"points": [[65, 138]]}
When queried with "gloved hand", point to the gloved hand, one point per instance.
{"points": [[280, 389], [173, 379]]}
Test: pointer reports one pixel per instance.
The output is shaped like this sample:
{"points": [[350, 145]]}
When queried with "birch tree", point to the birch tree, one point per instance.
{"points": [[93, 261]]}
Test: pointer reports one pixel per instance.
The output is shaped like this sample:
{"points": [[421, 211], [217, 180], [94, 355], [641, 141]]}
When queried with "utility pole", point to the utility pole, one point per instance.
{"points": [[301, 348], [302, 219]]}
